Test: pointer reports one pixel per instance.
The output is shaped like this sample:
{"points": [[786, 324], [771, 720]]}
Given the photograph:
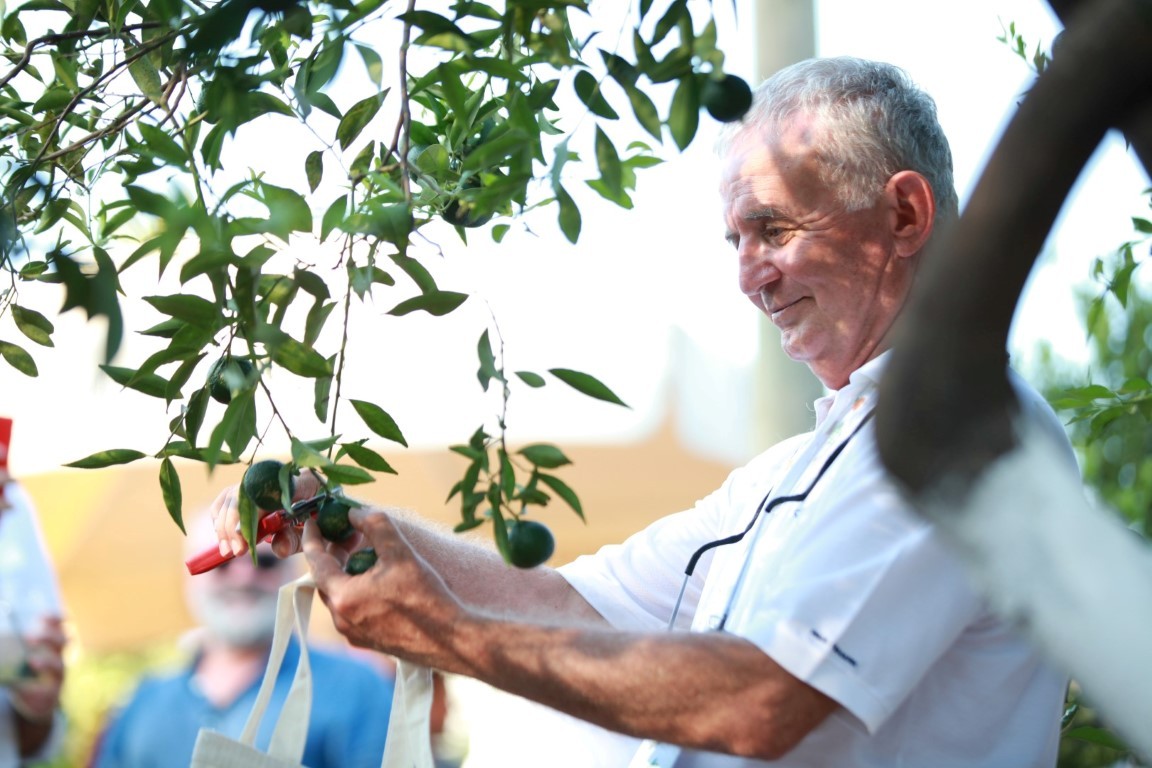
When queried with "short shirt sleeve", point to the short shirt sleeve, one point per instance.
{"points": [[634, 585], [862, 598]]}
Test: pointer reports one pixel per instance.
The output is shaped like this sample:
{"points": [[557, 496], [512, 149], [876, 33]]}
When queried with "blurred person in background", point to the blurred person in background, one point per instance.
{"points": [[234, 606], [31, 633]]}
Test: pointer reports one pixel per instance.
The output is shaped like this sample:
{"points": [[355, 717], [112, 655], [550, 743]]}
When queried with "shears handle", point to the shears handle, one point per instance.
{"points": [[210, 557]]}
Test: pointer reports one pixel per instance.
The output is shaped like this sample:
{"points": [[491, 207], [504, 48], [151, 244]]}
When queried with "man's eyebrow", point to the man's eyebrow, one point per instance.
{"points": [[766, 213], [762, 214]]}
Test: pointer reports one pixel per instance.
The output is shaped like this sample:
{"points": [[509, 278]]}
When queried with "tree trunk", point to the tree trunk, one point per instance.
{"points": [[948, 424]]}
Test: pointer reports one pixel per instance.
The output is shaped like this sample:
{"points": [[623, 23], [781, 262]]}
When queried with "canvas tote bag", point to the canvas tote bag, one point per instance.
{"points": [[408, 742]]}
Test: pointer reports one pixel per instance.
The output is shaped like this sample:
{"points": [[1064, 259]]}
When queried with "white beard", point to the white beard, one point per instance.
{"points": [[241, 618]]}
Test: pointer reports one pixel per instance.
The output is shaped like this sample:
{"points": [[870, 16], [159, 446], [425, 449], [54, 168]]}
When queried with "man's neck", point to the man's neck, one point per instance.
{"points": [[223, 672]]}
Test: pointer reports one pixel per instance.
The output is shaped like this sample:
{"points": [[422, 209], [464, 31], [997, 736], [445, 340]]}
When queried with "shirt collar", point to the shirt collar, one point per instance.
{"points": [[861, 380]]}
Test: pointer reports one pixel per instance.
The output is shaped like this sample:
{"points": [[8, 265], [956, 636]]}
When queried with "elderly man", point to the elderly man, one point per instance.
{"points": [[840, 630]]}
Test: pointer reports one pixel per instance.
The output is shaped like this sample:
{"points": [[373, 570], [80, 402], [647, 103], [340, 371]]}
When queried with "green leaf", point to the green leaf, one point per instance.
{"points": [[356, 119], [439, 31], [588, 89], [194, 414], [569, 215], [488, 370], [33, 325], [1096, 736], [684, 116], [53, 99], [346, 475], [611, 171], [379, 421], [288, 211], [188, 308], [676, 12], [492, 153], [367, 458], [533, 380], [317, 317], [170, 490], [563, 491], [321, 392], [304, 455], [314, 169], [467, 525], [544, 455], [622, 71], [163, 145], [107, 458], [236, 428], [19, 359], [416, 271], [391, 223], [148, 383], [333, 217], [586, 384], [500, 531], [311, 282], [293, 355], [372, 63], [1091, 392], [249, 521], [646, 113], [438, 303]]}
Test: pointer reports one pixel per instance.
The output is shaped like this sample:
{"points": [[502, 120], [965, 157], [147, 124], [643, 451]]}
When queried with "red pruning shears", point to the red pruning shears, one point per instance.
{"points": [[269, 526]]}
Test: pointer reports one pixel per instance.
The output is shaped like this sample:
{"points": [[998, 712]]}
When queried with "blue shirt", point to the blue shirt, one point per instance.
{"points": [[351, 703]]}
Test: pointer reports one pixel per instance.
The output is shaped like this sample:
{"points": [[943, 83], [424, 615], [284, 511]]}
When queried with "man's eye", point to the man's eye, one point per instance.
{"points": [[774, 234]]}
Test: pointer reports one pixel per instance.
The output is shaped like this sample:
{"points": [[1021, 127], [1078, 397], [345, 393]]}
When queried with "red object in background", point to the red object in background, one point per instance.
{"points": [[5, 441]]}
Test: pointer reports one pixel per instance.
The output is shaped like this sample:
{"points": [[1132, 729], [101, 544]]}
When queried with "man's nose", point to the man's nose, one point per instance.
{"points": [[756, 267]]}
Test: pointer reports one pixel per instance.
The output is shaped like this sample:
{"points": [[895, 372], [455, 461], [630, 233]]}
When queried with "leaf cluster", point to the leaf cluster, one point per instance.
{"points": [[500, 484], [117, 120]]}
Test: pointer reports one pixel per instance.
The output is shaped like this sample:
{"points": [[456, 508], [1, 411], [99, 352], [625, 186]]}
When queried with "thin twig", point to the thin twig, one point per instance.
{"points": [[59, 37]]}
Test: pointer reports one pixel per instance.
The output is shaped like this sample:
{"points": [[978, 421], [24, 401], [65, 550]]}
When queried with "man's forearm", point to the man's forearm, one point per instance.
{"points": [[709, 691], [479, 577], [420, 603]]}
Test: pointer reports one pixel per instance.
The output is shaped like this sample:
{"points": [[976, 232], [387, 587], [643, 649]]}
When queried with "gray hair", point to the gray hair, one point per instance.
{"points": [[874, 121]]}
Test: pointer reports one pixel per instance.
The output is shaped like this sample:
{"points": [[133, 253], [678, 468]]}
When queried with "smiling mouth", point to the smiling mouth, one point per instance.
{"points": [[779, 310]]}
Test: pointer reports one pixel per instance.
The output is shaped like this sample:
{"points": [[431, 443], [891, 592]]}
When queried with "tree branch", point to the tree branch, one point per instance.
{"points": [[946, 405], [59, 37]]}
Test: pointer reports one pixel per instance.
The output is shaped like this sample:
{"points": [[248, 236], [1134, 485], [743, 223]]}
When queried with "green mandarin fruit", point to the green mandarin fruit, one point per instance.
{"points": [[332, 519], [360, 561], [218, 386], [529, 543], [261, 484], [726, 99]]}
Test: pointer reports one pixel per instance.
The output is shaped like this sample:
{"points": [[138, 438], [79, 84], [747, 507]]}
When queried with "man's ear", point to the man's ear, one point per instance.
{"points": [[913, 211]]}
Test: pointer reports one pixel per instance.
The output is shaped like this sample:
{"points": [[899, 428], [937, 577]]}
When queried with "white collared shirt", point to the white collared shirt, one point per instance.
{"points": [[852, 593]]}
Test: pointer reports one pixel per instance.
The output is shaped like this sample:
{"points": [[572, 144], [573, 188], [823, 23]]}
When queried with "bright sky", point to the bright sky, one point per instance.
{"points": [[647, 301]]}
